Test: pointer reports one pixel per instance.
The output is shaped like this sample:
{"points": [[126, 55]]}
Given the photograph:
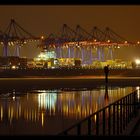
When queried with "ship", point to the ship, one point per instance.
{"points": [[47, 64]]}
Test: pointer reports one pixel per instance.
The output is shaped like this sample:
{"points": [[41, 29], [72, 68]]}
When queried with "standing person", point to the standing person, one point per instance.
{"points": [[106, 71]]}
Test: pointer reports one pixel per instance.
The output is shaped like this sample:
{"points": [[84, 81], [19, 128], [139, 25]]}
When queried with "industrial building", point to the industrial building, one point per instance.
{"points": [[71, 48]]}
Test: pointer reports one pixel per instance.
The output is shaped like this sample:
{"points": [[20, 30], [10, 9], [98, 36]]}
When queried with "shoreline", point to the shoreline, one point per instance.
{"points": [[66, 82]]}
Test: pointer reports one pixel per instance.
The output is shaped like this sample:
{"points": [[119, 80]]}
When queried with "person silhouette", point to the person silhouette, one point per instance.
{"points": [[106, 71]]}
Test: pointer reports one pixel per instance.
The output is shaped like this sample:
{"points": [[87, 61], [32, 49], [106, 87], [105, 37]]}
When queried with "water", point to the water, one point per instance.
{"points": [[47, 112]]}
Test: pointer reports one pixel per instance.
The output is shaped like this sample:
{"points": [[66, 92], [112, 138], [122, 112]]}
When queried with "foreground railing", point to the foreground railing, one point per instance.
{"points": [[111, 120]]}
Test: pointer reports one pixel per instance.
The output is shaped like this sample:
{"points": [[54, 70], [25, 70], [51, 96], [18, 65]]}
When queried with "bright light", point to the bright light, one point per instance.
{"points": [[108, 41], [25, 42], [42, 37], [42, 119], [12, 43], [13, 67], [95, 40], [47, 100], [137, 88], [1, 112], [45, 55], [9, 43], [118, 47], [137, 61], [125, 42], [138, 92], [138, 42], [14, 98]]}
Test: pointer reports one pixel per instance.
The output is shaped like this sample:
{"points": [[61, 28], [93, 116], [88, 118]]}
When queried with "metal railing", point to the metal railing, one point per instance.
{"points": [[110, 120]]}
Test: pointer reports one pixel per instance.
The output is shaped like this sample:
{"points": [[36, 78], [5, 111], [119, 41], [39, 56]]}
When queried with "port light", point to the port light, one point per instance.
{"points": [[137, 61]]}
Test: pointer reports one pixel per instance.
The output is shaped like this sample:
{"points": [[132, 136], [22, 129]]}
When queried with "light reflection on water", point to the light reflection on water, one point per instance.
{"points": [[49, 111], [138, 93]]}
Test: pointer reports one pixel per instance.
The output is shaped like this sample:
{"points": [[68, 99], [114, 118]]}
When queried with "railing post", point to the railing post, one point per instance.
{"points": [[89, 126], [79, 129], [135, 94], [97, 123], [113, 119], [109, 117], [118, 119], [65, 133], [133, 100], [121, 116], [103, 121], [129, 108], [126, 120], [123, 113]]}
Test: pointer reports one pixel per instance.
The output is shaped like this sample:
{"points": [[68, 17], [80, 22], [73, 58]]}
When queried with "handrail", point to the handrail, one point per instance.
{"points": [[122, 101]]}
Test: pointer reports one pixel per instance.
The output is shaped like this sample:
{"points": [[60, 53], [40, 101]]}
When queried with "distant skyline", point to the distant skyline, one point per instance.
{"points": [[43, 20]]}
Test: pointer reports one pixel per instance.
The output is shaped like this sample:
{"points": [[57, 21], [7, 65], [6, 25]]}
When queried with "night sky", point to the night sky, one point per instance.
{"points": [[43, 20]]}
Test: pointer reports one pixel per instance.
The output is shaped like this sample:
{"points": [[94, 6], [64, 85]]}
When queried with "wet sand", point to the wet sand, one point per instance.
{"points": [[66, 82]]}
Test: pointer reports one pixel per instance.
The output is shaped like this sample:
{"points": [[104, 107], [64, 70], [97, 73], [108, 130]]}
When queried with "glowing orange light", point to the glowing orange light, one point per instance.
{"points": [[42, 37], [125, 42], [108, 41]]}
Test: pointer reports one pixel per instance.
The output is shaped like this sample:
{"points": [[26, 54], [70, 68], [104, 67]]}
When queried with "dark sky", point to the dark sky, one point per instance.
{"points": [[42, 20]]}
